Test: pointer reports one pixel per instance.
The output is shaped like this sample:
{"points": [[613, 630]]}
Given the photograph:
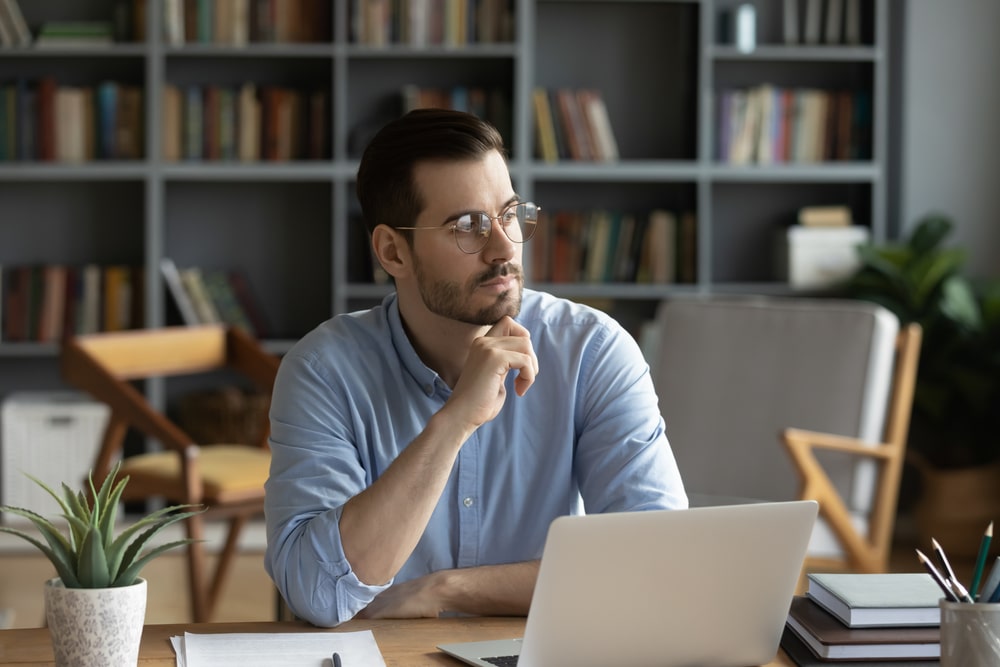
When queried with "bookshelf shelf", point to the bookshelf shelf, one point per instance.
{"points": [[105, 170], [301, 171], [819, 54], [796, 173], [291, 226], [113, 51], [624, 170]]}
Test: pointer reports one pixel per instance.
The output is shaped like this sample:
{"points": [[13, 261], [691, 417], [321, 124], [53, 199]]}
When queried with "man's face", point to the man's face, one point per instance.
{"points": [[477, 288]]}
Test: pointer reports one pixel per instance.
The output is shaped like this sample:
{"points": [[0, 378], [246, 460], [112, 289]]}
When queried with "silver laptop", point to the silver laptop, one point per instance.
{"points": [[705, 586]]}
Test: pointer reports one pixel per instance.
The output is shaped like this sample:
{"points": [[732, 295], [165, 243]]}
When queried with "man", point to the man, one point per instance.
{"points": [[421, 448]]}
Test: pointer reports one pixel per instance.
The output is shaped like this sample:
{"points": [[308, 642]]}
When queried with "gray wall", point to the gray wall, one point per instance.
{"points": [[949, 111]]}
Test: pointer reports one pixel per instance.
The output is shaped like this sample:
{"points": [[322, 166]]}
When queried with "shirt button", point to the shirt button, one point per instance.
{"points": [[429, 389], [468, 502]]}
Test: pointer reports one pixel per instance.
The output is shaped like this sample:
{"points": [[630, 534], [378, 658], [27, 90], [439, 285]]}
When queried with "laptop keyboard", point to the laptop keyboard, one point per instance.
{"points": [[502, 660]]}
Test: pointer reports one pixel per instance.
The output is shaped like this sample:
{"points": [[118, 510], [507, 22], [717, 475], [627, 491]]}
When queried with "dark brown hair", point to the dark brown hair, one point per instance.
{"points": [[385, 186]]}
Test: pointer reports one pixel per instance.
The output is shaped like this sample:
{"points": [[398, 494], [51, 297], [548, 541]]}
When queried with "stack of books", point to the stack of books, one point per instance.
{"points": [[864, 620]]}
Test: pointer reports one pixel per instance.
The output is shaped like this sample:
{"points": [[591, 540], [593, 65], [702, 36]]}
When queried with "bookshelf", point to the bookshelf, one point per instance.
{"points": [[291, 226]]}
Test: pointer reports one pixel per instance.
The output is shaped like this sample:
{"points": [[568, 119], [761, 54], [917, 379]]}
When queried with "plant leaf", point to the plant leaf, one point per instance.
{"points": [[886, 260], [92, 569], [931, 270], [79, 510], [929, 232], [57, 550], [127, 576], [958, 302], [122, 556], [109, 501]]}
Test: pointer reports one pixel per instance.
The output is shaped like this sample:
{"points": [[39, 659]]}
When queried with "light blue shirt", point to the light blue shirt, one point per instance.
{"points": [[350, 396]]}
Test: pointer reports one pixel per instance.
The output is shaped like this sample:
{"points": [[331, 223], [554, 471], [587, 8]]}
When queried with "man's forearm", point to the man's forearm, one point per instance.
{"points": [[381, 525], [490, 590]]}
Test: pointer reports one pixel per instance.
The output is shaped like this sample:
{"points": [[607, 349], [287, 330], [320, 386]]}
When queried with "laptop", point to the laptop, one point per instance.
{"points": [[705, 586]]}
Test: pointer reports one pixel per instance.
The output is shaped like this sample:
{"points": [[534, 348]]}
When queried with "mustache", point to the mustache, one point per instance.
{"points": [[499, 271]]}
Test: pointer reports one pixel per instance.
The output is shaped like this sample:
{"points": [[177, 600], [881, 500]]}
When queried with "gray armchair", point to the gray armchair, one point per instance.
{"points": [[771, 398]]}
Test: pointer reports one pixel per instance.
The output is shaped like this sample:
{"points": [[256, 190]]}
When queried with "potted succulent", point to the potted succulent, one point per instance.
{"points": [[96, 606], [955, 433]]}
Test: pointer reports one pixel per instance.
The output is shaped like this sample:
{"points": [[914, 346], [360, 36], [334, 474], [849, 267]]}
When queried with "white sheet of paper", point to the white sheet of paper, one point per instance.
{"points": [[279, 649]]}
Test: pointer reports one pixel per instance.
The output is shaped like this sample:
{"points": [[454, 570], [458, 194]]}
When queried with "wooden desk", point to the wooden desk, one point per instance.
{"points": [[404, 643]]}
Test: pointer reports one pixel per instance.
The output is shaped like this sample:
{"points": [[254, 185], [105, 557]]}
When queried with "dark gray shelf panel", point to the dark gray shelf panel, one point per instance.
{"points": [[820, 172], [625, 170], [818, 54], [118, 170], [617, 291], [496, 50], [255, 51], [320, 172], [112, 51]]}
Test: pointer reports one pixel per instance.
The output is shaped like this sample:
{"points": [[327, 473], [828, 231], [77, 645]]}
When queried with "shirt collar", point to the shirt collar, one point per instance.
{"points": [[424, 376]]}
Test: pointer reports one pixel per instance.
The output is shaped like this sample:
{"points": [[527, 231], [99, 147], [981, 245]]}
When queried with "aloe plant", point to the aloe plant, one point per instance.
{"points": [[90, 555]]}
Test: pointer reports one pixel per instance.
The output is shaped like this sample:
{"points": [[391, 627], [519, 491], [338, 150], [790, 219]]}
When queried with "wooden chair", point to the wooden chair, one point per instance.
{"points": [[227, 478], [866, 551], [777, 398]]}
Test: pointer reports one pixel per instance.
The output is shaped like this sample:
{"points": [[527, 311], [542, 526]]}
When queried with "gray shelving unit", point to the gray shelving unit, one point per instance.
{"points": [[288, 226]]}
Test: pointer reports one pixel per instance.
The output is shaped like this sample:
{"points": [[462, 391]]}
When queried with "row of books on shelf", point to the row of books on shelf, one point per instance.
{"points": [[247, 122], [810, 22], [489, 103], [572, 125], [233, 22], [46, 302], [604, 246], [43, 120], [213, 296], [420, 23], [239, 22], [14, 30], [768, 124]]}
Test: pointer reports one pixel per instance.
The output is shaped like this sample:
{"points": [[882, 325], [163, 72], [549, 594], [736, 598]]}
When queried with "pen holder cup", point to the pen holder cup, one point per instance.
{"points": [[970, 634]]}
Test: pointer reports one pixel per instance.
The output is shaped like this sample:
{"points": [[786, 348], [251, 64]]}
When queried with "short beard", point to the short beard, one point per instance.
{"points": [[448, 299]]}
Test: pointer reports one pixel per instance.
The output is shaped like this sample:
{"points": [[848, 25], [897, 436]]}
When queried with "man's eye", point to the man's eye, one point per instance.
{"points": [[465, 223]]}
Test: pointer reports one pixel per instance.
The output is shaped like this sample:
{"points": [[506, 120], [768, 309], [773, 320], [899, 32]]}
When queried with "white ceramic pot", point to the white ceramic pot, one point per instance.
{"points": [[95, 627]]}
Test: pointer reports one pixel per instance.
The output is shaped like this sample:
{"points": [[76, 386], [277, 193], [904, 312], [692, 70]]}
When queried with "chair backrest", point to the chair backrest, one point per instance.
{"points": [[103, 364], [732, 373]]}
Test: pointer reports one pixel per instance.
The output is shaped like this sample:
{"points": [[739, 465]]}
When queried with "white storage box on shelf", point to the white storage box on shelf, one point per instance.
{"points": [[811, 257], [52, 436]]}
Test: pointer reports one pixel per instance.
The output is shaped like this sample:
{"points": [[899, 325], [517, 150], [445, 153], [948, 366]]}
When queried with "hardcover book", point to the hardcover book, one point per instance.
{"points": [[869, 600], [830, 639], [800, 654]]}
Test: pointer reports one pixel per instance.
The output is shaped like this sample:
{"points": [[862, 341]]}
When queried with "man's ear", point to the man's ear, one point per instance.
{"points": [[392, 251]]}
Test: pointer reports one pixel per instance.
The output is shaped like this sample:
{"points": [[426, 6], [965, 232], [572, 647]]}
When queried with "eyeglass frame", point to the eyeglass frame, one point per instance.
{"points": [[489, 234]]}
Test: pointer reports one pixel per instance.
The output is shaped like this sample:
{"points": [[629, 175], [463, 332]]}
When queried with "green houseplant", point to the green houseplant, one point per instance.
{"points": [[954, 441], [95, 608], [956, 412]]}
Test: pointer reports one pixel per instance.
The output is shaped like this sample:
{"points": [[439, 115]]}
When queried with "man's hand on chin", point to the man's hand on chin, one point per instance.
{"points": [[417, 598]]}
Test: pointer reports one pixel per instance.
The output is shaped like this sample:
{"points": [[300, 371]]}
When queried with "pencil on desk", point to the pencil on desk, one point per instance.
{"points": [[937, 577], [984, 547]]}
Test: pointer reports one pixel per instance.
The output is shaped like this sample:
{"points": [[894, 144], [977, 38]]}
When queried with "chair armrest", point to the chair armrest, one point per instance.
{"points": [[862, 552], [796, 438]]}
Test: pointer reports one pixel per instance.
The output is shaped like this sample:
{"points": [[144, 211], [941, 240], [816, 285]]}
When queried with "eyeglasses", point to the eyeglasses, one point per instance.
{"points": [[472, 230]]}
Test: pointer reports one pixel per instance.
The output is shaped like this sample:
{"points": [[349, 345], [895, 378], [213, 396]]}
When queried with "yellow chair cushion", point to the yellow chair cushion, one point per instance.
{"points": [[225, 469]]}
